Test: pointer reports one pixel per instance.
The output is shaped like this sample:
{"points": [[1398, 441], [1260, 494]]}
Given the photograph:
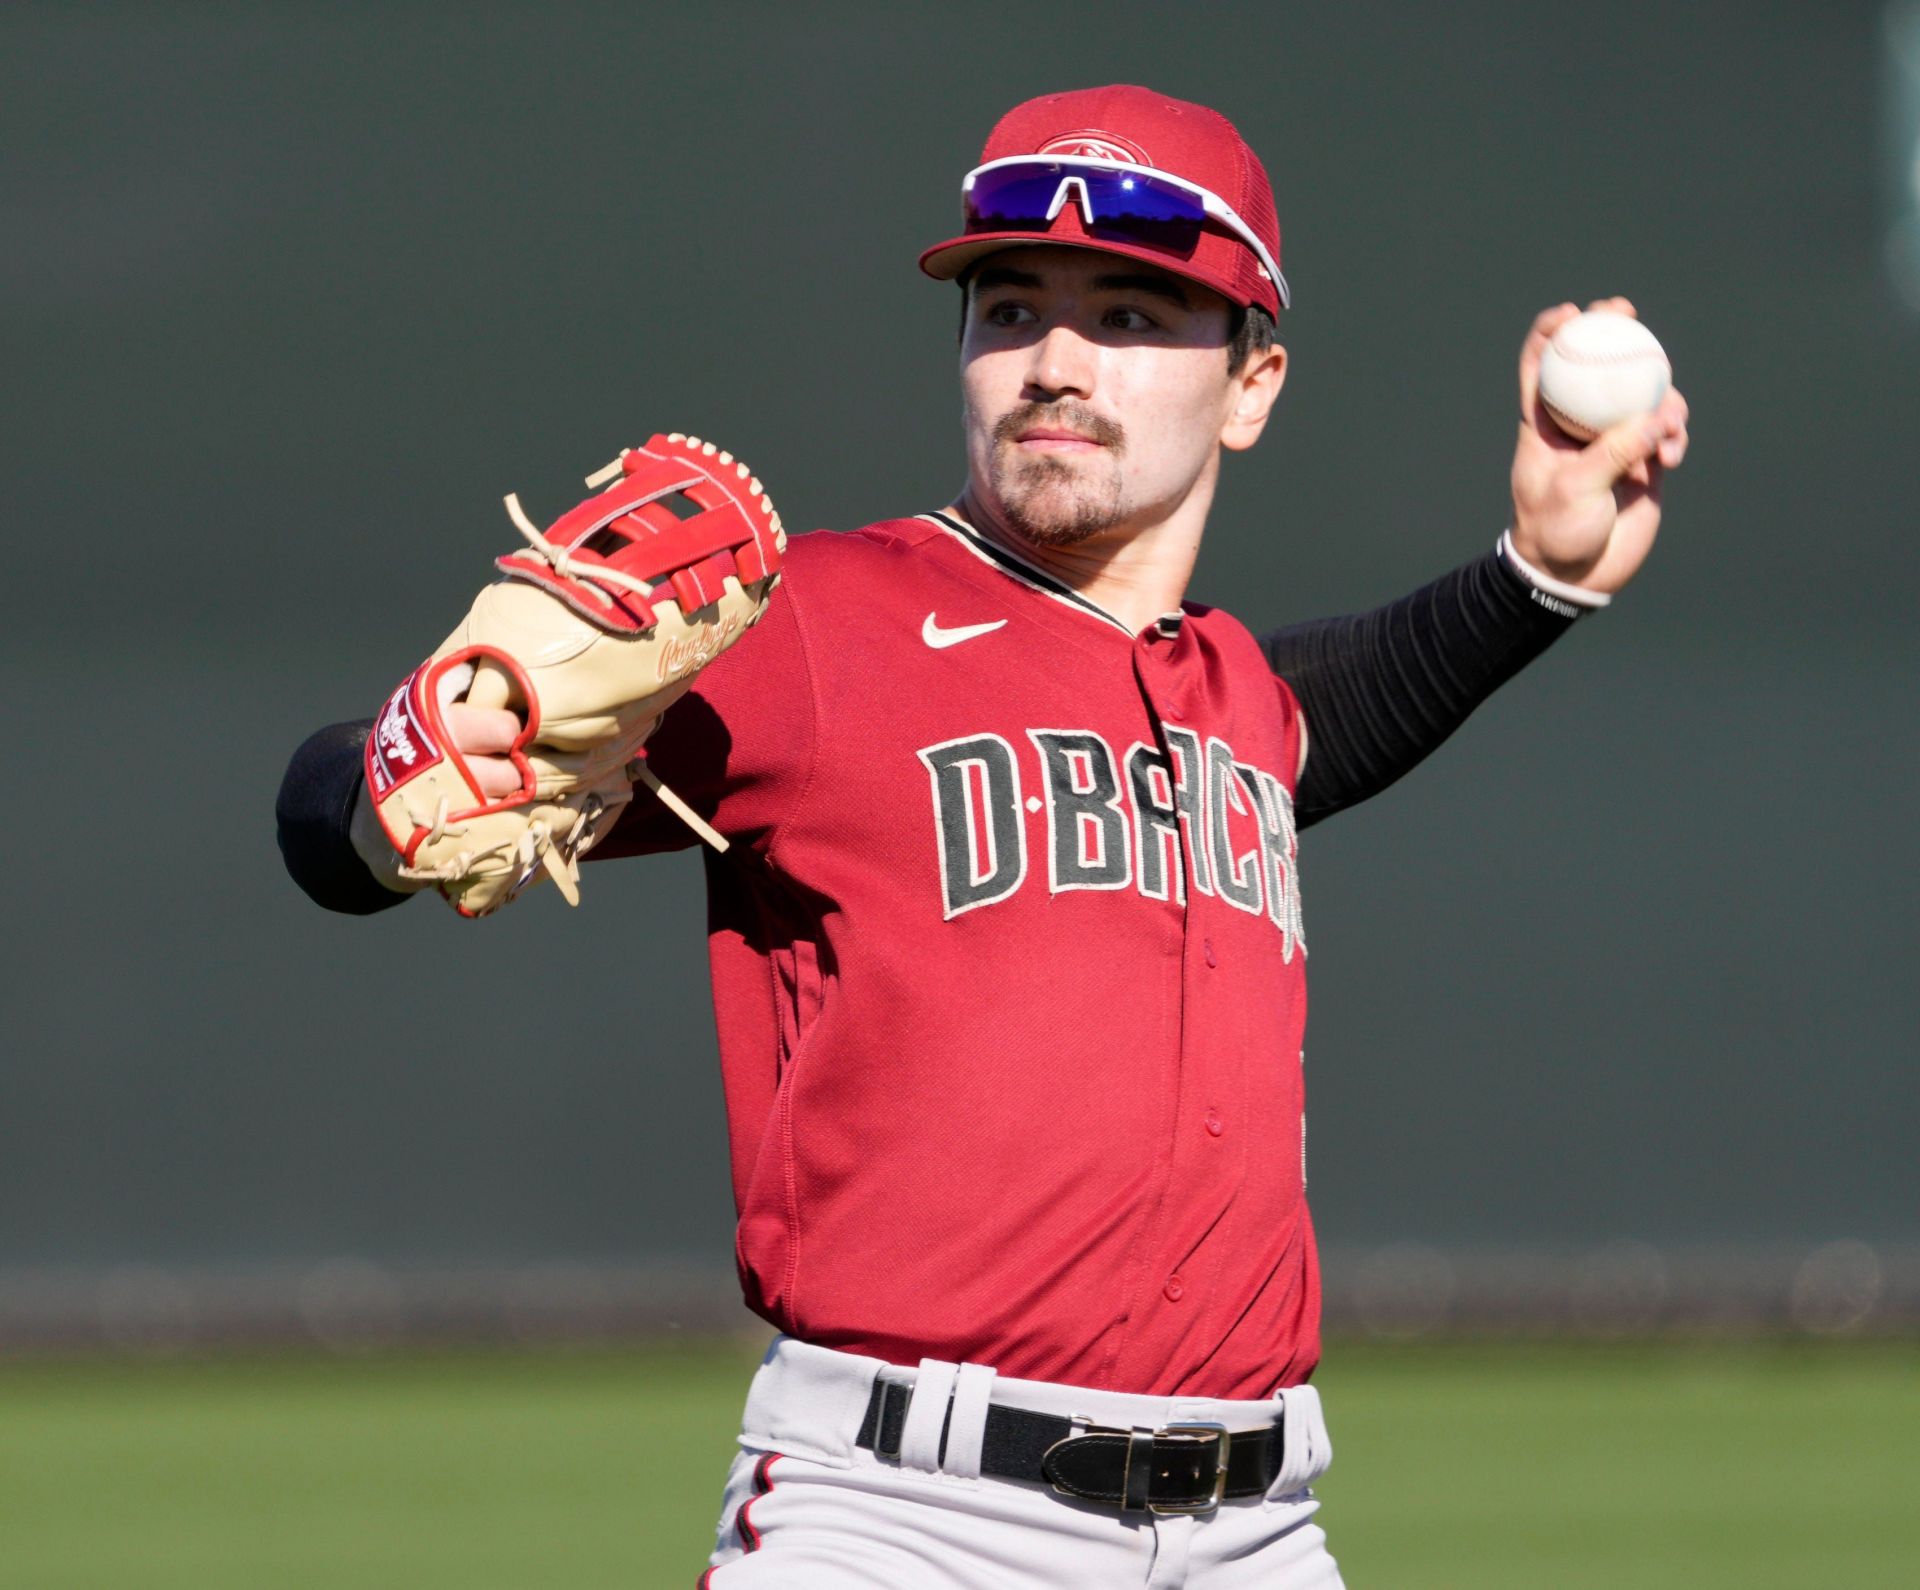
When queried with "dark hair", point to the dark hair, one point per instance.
{"points": [[1249, 331]]}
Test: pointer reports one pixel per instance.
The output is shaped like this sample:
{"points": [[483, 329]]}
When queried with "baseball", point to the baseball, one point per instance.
{"points": [[1601, 368]]}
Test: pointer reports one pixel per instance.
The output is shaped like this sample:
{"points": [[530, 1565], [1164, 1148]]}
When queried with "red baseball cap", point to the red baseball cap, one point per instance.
{"points": [[1135, 126]]}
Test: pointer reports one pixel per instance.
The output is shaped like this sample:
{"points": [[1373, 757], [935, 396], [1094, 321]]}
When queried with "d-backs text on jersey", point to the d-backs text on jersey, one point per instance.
{"points": [[1116, 822]]}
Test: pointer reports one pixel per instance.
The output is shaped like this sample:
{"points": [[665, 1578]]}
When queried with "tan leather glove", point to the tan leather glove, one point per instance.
{"points": [[600, 626]]}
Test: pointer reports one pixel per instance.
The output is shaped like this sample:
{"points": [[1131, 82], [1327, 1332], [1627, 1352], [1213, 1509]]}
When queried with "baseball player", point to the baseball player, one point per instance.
{"points": [[1007, 946]]}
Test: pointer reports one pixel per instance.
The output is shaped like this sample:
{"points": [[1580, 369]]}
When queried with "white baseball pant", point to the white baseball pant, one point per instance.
{"points": [[808, 1509]]}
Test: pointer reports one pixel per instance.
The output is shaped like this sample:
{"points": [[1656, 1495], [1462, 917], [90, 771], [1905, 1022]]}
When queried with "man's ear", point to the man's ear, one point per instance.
{"points": [[1255, 387]]}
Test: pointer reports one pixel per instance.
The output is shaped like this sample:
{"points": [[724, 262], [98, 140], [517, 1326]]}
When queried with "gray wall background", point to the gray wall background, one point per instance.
{"points": [[293, 294]]}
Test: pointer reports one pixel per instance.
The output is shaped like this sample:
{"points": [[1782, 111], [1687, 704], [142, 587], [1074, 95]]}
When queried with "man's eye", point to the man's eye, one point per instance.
{"points": [[1129, 320], [1008, 314]]}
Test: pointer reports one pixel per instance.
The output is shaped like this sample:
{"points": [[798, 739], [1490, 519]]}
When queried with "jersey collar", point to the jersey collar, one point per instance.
{"points": [[1017, 567]]}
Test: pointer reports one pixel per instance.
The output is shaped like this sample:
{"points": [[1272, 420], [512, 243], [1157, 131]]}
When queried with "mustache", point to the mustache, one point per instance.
{"points": [[1065, 413]]}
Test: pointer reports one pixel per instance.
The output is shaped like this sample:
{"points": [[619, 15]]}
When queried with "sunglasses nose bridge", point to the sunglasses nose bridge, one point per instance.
{"points": [[1071, 183]]}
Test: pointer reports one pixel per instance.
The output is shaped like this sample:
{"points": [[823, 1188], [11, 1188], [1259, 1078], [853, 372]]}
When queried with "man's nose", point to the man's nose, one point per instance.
{"points": [[1061, 365]]}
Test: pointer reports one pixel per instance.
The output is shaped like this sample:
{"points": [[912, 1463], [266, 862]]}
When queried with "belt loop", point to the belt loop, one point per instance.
{"points": [[1305, 1450], [967, 1429], [927, 1416]]}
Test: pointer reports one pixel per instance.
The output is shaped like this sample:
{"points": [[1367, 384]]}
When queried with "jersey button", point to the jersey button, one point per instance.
{"points": [[1175, 1289], [1215, 1126], [1206, 946]]}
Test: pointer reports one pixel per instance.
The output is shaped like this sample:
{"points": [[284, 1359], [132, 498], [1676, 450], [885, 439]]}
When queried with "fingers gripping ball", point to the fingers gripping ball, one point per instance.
{"points": [[600, 625]]}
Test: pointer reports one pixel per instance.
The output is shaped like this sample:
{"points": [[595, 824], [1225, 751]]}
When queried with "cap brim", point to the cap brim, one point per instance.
{"points": [[944, 261]]}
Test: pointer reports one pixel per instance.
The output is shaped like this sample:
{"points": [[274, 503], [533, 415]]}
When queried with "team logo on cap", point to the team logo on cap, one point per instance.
{"points": [[1090, 145]]}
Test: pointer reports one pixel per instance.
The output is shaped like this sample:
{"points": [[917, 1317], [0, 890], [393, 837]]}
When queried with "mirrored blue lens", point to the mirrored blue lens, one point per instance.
{"points": [[1016, 197], [1128, 207]]}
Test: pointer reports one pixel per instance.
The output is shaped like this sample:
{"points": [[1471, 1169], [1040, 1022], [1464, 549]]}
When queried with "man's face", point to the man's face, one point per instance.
{"points": [[1096, 390]]}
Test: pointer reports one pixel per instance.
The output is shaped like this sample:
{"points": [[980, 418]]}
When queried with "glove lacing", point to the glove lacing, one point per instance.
{"points": [[527, 845], [561, 559]]}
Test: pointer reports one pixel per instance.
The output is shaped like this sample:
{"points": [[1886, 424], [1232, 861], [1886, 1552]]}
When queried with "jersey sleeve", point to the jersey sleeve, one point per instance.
{"points": [[1381, 691], [738, 747]]}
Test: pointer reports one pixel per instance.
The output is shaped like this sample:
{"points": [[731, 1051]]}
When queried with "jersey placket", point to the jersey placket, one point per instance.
{"points": [[1167, 1300], [1193, 1187]]}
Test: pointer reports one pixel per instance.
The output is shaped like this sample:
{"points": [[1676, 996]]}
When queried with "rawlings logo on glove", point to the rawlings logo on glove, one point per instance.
{"points": [[394, 733], [600, 626]]}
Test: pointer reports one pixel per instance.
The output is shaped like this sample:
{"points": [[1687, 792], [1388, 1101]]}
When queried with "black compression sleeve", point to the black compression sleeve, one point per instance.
{"points": [[314, 812], [1382, 690]]}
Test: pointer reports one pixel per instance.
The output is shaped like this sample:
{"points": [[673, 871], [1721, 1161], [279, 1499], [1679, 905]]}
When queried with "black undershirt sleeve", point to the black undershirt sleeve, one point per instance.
{"points": [[314, 813], [1382, 690]]}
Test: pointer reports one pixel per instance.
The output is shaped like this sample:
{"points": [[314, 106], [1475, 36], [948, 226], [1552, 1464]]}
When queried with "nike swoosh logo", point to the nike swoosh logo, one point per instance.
{"points": [[939, 639]]}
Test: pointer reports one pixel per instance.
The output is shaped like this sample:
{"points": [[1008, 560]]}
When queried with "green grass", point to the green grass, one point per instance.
{"points": [[1471, 1466], [1785, 1466]]}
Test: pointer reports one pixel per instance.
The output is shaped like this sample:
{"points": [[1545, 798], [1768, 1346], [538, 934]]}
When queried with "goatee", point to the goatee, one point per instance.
{"points": [[1051, 501]]}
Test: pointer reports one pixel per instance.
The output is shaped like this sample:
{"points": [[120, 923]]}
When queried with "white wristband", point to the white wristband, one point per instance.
{"points": [[1555, 595]]}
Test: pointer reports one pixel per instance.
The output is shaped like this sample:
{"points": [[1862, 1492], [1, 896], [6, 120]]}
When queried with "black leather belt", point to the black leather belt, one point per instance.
{"points": [[1180, 1468]]}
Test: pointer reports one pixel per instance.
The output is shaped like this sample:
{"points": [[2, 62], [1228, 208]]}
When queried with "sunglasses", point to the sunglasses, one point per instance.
{"points": [[1119, 203]]}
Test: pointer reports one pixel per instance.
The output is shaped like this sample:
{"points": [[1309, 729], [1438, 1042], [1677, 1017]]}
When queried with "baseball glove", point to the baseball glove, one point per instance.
{"points": [[600, 625]]}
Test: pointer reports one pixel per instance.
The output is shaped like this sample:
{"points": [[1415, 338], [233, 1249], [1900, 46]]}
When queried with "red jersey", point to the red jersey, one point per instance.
{"points": [[1008, 970]]}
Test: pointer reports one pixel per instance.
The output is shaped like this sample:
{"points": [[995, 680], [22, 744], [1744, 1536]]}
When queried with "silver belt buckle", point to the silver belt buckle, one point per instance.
{"points": [[1197, 1432]]}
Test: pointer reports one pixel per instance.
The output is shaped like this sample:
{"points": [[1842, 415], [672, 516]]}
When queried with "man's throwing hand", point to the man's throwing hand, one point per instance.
{"points": [[1587, 512]]}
